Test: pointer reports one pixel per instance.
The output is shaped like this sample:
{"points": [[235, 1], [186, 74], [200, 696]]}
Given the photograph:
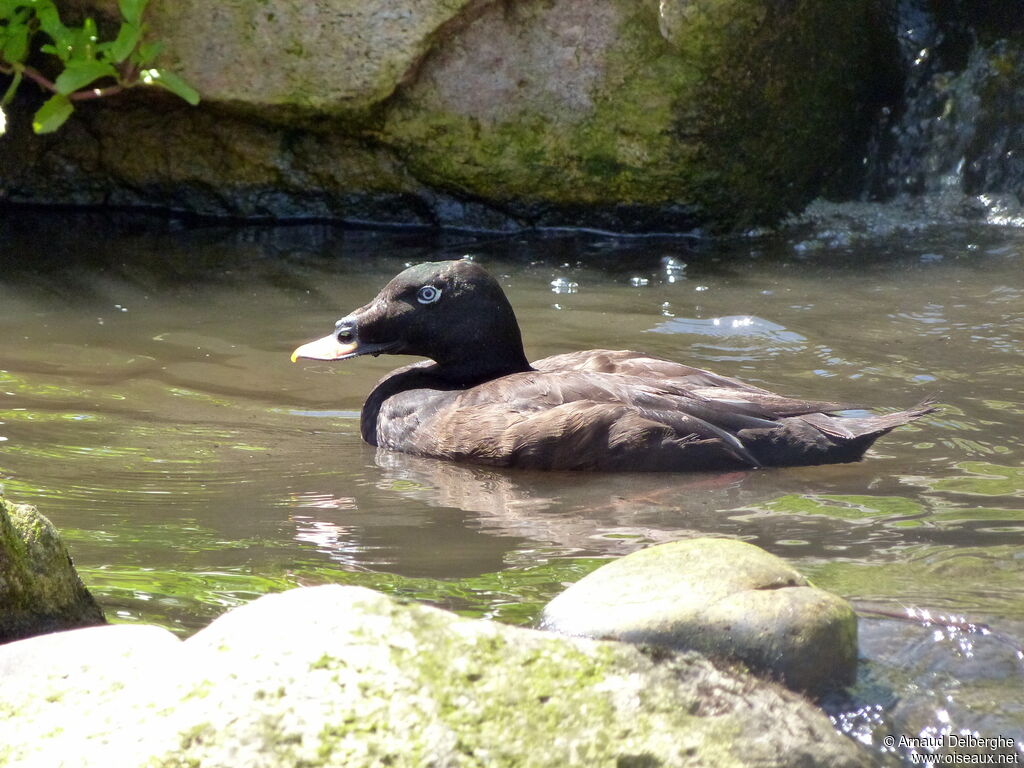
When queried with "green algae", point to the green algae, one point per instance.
{"points": [[17, 384], [903, 512], [982, 478], [936, 577], [847, 507], [153, 595], [37, 415]]}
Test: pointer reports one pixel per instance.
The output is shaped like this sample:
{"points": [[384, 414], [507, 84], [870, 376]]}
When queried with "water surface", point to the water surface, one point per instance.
{"points": [[148, 408]]}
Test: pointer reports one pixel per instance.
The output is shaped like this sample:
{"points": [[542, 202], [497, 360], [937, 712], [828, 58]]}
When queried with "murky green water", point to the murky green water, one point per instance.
{"points": [[148, 407]]}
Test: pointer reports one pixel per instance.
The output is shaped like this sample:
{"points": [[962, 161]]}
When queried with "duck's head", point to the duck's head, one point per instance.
{"points": [[452, 312]]}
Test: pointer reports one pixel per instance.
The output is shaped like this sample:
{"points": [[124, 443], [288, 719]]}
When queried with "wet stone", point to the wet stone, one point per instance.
{"points": [[724, 598]]}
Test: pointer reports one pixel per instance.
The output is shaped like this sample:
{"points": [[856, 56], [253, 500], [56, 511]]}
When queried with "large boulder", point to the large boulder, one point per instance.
{"points": [[343, 676], [39, 588], [326, 57], [670, 115], [685, 113], [724, 598]]}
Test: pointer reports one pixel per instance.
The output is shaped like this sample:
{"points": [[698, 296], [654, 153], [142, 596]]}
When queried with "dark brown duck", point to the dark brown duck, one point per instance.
{"points": [[478, 399]]}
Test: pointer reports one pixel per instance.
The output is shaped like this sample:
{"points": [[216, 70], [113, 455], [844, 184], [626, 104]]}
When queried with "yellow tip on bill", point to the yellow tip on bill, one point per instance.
{"points": [[326, 348]]}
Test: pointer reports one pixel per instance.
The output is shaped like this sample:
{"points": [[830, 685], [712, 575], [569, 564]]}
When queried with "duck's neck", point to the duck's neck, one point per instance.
{"points": [[484, 364], [484, 344]]}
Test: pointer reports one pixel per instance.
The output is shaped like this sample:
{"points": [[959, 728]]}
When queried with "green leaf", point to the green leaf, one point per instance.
{"points": [[15, 35], [132, 10], [83, 42], [146, 53], [172, 83], [15, 12], [52, 115], [122, 46], [50, 23], [16, 45], [12, 88], [78, 74], [89, 31]]}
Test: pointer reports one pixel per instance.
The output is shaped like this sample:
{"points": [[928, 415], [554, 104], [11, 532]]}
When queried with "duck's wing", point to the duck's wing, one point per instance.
{"points": [[630, 363], [569, 420], [581, 435], [769, 403], [675, 376]]}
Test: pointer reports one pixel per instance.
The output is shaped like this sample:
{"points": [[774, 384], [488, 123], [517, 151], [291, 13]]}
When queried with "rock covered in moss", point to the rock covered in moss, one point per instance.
{"points": [[343, 676], [691, 112], [39, 588], [721, 597], [617, 113]]}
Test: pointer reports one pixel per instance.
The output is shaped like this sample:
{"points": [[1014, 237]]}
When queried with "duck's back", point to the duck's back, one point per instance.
{"points": [[610, 410]]}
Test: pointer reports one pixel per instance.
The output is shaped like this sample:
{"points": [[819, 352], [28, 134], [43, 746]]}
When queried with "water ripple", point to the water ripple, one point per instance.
{"points": [[734, 337]]}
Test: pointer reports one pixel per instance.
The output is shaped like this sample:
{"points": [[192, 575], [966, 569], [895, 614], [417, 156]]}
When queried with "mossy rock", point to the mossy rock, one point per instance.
{"points": [[671, 115], [724, 598], [725, 113], [39, 589], [343, 676]]}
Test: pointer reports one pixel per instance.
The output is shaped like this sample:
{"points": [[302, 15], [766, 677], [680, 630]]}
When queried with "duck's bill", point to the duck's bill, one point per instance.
{"points": [[329, 348]]}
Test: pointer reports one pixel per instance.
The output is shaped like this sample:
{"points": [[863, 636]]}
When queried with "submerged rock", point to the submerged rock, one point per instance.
{"points": [[721, 597], [39, 588], [671, 115], [344, 676]]}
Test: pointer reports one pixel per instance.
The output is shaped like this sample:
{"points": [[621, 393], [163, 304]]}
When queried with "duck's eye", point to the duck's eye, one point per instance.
{"points": [[428, 294]]}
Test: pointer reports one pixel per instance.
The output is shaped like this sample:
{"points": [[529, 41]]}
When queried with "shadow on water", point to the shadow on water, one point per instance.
{"points": [[148, 407]]}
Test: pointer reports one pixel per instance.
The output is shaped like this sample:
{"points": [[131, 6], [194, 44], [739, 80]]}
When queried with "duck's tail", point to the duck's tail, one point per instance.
{"points": [[876, 425], [819, 438]]}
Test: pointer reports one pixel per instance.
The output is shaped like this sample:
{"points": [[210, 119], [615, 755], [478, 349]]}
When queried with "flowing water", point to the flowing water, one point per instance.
{"points": [[148, 407]]}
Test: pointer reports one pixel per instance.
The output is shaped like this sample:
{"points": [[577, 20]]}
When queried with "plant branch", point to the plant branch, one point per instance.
{"points": [[95, 93], [46, 84], [32, 74]]}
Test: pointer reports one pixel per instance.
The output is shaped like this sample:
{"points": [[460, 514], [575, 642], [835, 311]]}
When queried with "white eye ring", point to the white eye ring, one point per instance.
{"points": [[428, 294]]}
